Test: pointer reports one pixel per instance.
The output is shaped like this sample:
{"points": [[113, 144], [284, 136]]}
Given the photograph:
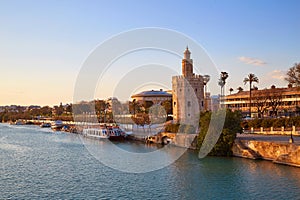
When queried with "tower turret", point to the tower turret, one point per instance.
{"points": [[187, 53], [187, 63]]}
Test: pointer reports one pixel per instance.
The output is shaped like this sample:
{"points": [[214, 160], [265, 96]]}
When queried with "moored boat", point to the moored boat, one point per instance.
{"points": [[45, 125], [115, 133], [57, 125], [19, 122], [104, 132], [98, 133]]}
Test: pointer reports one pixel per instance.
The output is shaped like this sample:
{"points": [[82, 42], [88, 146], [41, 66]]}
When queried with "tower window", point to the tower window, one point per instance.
{"points": [[174, 103], [189, 104], [196, 90]]}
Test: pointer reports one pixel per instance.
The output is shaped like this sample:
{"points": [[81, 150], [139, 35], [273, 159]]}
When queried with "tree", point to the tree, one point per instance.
{"points": [[232, 126], [134, 107], [46, 111], [275, 100], [58, 110], [261, 101], [167, 106], [101, 108], [240, 89], [293, 75], [222, 82], [147, 105], [230, 90], [251, 79]]}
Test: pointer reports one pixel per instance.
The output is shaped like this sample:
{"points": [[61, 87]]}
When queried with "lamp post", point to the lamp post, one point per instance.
{"points": [[291, 140]]}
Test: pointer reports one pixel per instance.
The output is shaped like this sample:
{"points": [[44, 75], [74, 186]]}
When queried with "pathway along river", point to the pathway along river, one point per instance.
{"points": [[38, 163]]}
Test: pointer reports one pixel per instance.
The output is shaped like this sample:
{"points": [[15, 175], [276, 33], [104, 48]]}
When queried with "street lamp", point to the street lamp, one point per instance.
{"points": [[206, 79], [291, 140]]}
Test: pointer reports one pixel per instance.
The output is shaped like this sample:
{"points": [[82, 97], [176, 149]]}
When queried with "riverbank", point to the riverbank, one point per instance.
{"points": [[274, 148]]}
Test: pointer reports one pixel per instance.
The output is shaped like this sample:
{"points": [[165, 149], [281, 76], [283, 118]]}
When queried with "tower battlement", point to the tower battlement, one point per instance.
{"points": [[194, 76]]}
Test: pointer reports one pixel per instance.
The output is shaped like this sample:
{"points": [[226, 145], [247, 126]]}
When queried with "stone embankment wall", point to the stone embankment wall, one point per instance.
{"points": [[282, 153], [185, 140]]}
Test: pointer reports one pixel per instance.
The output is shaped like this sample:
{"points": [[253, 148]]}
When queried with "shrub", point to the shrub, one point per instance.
{"points": [[255, 123], [267, 123], [172, 128], [277, 123]]}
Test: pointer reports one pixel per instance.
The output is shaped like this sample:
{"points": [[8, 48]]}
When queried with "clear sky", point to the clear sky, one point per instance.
{"points": [[44, 43]]}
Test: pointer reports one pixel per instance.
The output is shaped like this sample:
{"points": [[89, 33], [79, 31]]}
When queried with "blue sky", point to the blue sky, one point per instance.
{"points": [[44, 43]]}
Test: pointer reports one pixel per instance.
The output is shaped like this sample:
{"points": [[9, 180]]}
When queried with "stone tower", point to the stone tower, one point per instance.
{"points": [[187, 93]]}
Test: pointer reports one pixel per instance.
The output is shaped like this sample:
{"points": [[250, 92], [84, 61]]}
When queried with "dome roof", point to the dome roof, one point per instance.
{"points": [[153, 93]]}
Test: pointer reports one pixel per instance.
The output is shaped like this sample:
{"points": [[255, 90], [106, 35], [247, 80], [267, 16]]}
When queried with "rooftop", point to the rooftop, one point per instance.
{"points": [[152, 93]]}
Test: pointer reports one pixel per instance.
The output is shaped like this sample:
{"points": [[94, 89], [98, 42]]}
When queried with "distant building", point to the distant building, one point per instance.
{"points": [[187, 90], [155, 96], [13, 108], [266, 102], [32, 107]]}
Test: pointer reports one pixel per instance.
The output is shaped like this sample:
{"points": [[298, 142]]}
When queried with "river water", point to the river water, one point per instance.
{"points": [[37, 163]]}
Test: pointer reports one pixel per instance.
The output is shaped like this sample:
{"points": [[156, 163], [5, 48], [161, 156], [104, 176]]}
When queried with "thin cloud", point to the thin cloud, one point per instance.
{"points": [[252, 61], [277, 74]]}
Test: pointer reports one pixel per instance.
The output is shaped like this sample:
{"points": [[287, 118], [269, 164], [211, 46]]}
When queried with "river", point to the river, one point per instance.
{"points": [[40, 164]]}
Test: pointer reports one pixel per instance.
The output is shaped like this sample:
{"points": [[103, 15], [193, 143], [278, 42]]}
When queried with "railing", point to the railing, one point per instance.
{"points": [[274, 131]]}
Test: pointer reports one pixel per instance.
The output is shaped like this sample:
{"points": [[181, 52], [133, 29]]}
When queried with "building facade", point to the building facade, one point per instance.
{"points": [[187, 92], [267, 102]]}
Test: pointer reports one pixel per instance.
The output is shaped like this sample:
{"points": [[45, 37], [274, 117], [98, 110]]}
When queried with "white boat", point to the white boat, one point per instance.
{"points": [[57, 125], [99, 133]]}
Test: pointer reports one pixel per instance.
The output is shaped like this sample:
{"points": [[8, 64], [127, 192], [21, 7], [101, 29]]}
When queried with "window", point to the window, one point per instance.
{"points": [[189, 104], [174, 103]]}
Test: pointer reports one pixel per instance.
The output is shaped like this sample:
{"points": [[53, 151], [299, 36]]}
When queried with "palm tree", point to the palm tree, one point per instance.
{"points": [[222, 82], [251, 78], [230, 90]]}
